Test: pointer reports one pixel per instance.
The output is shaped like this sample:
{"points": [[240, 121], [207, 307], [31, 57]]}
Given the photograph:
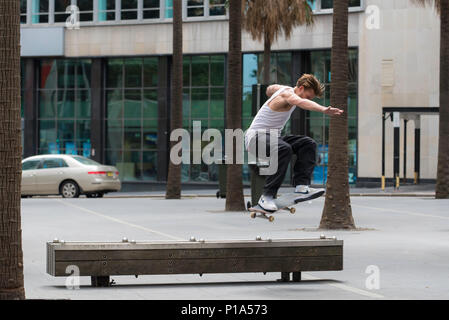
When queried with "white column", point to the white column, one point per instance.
{"points": [[139, 10], [51, 11]]}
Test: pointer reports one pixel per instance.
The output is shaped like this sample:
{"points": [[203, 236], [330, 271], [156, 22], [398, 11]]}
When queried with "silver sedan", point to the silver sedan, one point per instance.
{"points": [[67, 175]]}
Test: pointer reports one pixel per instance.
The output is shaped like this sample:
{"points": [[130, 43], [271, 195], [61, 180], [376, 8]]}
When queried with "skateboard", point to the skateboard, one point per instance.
{"points": [[284, 203]]}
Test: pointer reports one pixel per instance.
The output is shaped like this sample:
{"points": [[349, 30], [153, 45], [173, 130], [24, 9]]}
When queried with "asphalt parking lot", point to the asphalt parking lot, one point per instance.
{"points": [[405, 238]]}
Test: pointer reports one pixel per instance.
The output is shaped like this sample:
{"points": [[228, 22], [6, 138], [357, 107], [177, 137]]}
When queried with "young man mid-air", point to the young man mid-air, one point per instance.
{"points": [[274, 114]]}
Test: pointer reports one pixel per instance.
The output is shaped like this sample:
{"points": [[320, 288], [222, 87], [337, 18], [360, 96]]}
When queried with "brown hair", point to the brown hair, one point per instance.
{"points": [[309, 81]]}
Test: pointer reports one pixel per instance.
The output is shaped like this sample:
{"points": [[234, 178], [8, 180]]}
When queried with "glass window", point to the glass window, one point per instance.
{"points": [[39, 11], [60, 10], [204, 101], [150, 72], [64, 106], [23, 11], [129, 10], [200, 103], [30, 165], [133, 104], [217, 71], [86, 8], [47, 103], [106, 10], [318, 124], [200, 71], [195, 8], [150, 134], [329, 4], [150, 104], [86, 161], [133, 73], [151, 9], [132, 112], [168, 9], [54, 163], [114, 100], [133, 134], [217, 7], [114, 73], [114, 134], [66, 103], [149, 165]]}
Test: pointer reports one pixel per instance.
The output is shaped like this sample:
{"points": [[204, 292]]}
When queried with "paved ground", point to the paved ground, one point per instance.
{"points": [[421, 190], [407, 238]]}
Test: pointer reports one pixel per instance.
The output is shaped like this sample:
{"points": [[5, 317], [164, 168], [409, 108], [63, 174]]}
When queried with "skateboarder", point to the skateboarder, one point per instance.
{"points": [[274, 114]]}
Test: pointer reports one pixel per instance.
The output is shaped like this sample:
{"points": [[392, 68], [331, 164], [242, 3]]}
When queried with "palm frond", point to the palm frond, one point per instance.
{"points": [[269, 19], [429, 3]]}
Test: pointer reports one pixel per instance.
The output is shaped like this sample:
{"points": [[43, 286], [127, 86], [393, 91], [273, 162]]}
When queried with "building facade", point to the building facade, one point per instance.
{"points": [[96, 80]]}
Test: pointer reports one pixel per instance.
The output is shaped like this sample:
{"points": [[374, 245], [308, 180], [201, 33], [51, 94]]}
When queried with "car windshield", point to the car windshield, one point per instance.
{"points": [[86, 161]]}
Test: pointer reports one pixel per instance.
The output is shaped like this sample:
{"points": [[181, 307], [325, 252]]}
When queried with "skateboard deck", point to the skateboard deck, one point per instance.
{"points": [[284, 202]]}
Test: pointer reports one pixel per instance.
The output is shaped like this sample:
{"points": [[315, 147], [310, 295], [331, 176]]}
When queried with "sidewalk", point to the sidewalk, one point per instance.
{"points": [[423, 190]]}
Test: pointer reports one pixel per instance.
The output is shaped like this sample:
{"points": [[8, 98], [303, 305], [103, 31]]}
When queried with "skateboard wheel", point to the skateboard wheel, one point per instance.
{"points": [[271, 219], [253, 215], [292, 210]]}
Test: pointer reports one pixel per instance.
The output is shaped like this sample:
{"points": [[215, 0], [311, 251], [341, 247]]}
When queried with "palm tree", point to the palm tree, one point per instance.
{"points": [[442, 187], [174, 171], [11, 255], [337, 212], [234, 185], [267, 20]]}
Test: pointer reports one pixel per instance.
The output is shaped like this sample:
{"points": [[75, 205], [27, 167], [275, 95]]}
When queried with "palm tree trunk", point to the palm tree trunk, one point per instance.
{"points": [[266, 60], [11, 255], [337, 212], [234, 185], [173, 190], [442, 187]]}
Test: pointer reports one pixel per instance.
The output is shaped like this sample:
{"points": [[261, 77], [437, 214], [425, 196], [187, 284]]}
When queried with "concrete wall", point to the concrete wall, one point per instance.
{"points": [[199, 37], [409, 37]]}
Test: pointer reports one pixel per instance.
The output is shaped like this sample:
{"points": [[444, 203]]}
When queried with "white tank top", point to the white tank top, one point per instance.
{"points": [[267, 119]]}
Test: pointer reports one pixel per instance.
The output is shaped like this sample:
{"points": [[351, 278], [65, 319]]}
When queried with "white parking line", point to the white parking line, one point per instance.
{"points": [[119, 221], [346, 288], [305, 276]]}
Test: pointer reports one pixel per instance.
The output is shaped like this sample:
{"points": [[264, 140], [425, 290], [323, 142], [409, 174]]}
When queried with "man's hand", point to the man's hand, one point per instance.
{"points": [[333, 111]]}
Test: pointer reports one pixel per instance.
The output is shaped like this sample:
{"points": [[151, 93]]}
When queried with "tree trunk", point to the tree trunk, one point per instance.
{"points": [[174, 171], [442, 187], [11, 255], [266, 60], [337, 212], [234, 185]]}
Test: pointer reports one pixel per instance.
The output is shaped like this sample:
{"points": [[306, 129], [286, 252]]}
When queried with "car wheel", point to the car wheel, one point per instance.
{"points": [[70, 189], [100, 195]]}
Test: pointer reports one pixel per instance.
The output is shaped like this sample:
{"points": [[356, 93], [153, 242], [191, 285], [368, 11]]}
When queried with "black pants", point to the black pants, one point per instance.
{"points": [[303, 147]]}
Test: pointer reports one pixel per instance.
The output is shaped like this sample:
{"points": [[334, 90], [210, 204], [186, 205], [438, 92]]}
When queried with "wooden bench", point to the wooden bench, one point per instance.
{"points": [[100, 260]]}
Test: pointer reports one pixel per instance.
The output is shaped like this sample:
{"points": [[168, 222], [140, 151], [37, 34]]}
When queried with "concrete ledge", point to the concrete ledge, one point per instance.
{"points": [[100, 260]]}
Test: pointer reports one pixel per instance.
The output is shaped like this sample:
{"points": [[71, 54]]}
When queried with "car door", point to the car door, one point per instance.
{"points": [[50, 175], [29, 169]]}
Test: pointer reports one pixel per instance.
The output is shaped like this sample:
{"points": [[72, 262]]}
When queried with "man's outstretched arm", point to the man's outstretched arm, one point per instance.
{"points": [[310, 105], [273, 88]]}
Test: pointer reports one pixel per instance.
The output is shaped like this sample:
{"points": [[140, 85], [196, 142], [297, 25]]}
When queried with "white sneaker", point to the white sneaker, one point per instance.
{"points": [[306, 193], [267, 203]]}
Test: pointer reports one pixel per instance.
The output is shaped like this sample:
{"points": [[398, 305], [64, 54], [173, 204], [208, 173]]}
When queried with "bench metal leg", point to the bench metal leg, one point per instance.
{"points": [[100, 281], [285, 277], [296, 276]]}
